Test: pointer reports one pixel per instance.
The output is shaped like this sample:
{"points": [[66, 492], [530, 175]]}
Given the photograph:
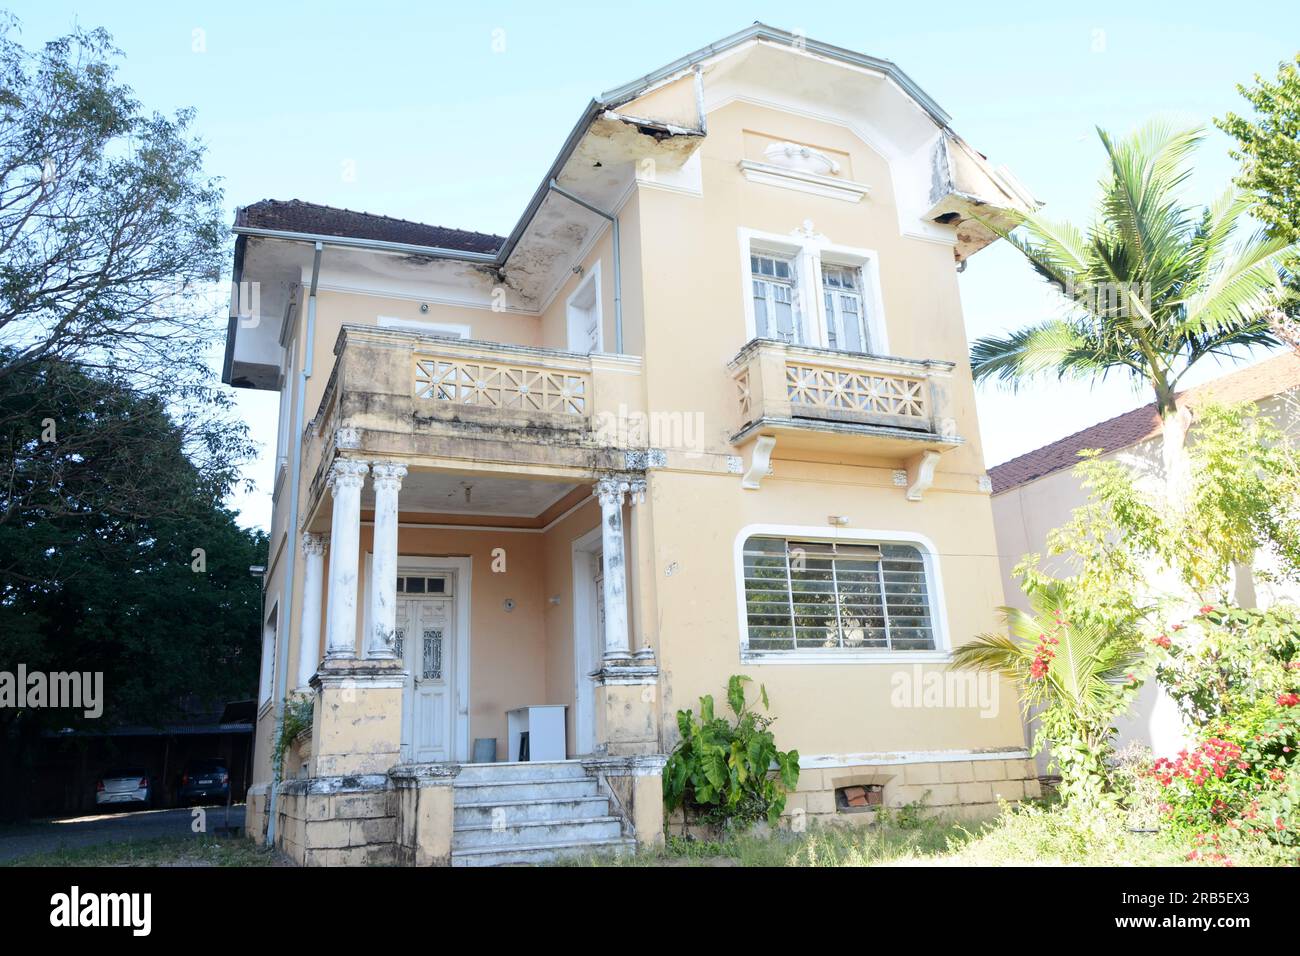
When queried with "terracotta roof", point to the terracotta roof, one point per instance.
{"points": [[1274, 375], [298, 216]]}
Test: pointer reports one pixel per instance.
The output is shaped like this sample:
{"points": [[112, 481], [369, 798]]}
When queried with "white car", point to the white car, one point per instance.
{"points": [[124, 786]]}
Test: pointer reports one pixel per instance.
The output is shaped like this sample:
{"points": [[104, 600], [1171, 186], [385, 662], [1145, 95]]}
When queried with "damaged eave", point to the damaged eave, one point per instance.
{"points": [[600, 168], [969, 194]]}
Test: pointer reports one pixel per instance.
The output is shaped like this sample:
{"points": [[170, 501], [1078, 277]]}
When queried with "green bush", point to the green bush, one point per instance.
{"points": [[721, 771]]}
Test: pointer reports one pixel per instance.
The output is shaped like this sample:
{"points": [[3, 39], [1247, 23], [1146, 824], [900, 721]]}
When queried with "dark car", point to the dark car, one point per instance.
{"points": [[125, 787], [205, 781]]}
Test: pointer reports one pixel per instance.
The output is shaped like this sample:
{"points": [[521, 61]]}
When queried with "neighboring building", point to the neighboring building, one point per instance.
{"points": [[1038, 491], [705, 411]]}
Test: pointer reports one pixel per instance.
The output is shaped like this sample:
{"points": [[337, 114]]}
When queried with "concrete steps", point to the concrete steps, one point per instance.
{"points": [[530, 813]]}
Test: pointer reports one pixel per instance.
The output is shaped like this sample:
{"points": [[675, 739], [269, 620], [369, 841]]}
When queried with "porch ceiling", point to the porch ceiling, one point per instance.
{"points": [[438, 492]]}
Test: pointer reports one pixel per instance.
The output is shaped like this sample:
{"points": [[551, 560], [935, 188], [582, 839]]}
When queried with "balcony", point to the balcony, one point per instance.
{"points": [[463, 403], [873, 405]]}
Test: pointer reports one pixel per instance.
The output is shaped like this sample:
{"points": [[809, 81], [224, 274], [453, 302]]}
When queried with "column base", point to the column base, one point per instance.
{"points": [[425, 813], [637, 783], [357, 720], [627, 708]]}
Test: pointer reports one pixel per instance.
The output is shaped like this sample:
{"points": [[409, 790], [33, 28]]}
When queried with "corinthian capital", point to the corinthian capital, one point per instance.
{"points": [[313, 543], [387, 475], [610, 490], [347, 473]]}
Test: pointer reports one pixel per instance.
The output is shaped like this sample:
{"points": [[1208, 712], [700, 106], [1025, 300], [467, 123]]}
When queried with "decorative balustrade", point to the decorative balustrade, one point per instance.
{"points": [[826, 389], [518, 387], [777, 383]]}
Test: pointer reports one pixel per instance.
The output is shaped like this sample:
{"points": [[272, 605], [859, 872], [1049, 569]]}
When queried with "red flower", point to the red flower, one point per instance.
{"points": [[1288, 700], [1162, 641], [1207, 608], [1276, 775]]}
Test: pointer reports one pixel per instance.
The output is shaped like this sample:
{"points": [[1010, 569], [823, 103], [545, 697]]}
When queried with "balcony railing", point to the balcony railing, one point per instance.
{"points": [[401, 393], [512, 386], [780, 384]]}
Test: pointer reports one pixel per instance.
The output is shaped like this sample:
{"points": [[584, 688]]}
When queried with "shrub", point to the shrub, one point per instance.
{"points": [[722, 771], [1229, 659]]}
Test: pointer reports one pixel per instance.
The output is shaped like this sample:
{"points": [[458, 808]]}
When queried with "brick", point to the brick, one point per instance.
{"points": [[811, 780], [1032, 790], [921, 773], [1021, 769], [795, 801], [317, 807], [1009, 789], [357, 805], [957, 771], [327, 834], [376, 830], [897, 796], [989, 769], [822, 801], [974, 793], [942, 795]]}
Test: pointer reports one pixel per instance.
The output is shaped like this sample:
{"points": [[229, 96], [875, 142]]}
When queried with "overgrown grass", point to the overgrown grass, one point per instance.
{"points": [[1027, 835], [889, 841], [159, 851]]}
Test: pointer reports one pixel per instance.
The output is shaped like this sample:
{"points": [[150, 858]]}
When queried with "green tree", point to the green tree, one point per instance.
{"points": [[102, 513], [1150, 288], [1268, 148]]}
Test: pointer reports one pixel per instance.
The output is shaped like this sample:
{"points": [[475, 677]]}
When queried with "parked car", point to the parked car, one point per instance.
{"points": [[125, 786], [205, 781]]}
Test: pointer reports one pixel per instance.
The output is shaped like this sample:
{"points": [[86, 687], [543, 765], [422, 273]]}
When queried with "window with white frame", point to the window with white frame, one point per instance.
{"points": [[287, 389], [846, 320], [811, 596], [804, 290], [268, 656], [776, 314]]}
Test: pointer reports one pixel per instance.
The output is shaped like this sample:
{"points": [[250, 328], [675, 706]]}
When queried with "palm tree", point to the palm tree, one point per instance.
{"points": [[1151, 287], [1074, 670]]}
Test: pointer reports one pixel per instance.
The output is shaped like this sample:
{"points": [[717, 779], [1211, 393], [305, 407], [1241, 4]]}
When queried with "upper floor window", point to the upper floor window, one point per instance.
{"points": [[846, 326], [775, 312], [804, 290], [819, 596]]}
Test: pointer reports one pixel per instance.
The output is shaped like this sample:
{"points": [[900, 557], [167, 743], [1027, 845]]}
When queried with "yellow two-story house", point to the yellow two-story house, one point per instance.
{"points": [[705, 411]]}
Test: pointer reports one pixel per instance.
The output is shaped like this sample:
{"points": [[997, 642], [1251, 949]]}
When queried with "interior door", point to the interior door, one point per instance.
{"points": [[426, 642], [589, 651]]}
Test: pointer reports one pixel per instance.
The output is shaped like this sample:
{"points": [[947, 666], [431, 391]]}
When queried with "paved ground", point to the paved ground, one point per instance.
{"points": [[45, 835]]}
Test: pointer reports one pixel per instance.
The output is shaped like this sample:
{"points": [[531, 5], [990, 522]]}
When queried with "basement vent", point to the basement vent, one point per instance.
{"points": [[859, 798]]}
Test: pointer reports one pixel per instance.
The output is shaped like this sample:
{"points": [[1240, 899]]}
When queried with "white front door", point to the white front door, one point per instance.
{"points": [[426, 644]]}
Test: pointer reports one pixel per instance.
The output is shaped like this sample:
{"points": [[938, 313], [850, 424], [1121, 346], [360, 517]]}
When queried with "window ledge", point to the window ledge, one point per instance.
{"points": [[828, 186], [849, 657]]}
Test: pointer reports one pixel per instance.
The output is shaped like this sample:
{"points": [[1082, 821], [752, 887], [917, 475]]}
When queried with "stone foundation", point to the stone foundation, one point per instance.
{"points": [[964, 789], [255, 818], [338, 821], [636, 783], [425, 813]]}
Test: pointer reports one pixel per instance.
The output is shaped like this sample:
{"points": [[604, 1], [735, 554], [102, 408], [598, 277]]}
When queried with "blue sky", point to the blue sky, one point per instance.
{"points": [[373, 106]]}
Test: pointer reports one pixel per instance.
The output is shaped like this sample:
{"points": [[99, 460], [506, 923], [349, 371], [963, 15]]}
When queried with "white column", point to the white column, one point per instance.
{"points": [[611, 491], [345, 541], [313, 579], [387, 477]]}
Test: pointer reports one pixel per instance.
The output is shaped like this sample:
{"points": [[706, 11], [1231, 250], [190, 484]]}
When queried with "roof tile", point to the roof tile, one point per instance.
{"points": [[1274, 375], [294, 215]]}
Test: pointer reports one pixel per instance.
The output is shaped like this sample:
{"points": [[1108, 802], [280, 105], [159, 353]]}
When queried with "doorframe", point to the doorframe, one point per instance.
{"points": [[590, 281], [585, 658], [461, 570]]}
